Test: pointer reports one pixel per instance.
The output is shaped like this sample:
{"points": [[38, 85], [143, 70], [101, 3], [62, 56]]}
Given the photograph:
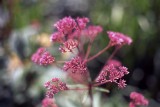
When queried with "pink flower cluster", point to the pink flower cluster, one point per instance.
{"points": [[48, 102], [68, 25], [54, 86], [69, 45], [137, 99], [117, 38], [42, 57], [70, 35], [93, 31], [75, 65], [113, 73]]}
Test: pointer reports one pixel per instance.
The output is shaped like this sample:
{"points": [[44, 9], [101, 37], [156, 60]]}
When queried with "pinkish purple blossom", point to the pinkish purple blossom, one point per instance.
{"points": [[75, 65], [122, 83], [54, 86], [137, 99], [48, 102], [111, 73], [117, 38], [57, 37], [82, 22], [68, 46], [93, 31], [46, 59], [66, 25], [42, 57], [37, 55]]}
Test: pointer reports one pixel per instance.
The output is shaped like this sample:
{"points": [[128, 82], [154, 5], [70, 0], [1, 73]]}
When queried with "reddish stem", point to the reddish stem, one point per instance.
{"points": [[114, 52], [99, 53], [97, 84], [78, 88], [88, 50]]}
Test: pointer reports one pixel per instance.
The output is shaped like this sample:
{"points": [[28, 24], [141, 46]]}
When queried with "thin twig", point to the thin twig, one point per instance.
{"points": [[88, 50], [99, 53], [114, 52]]}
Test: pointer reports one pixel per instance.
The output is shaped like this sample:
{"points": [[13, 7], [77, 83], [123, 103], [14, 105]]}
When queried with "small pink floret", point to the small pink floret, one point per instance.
{"points": [[42, 57], [93, 31], [69, 45], [57, 37], [46, 59], [113, 73], [117, 38], [66, 25], [82, 22], [138, 99], [54, 86]]}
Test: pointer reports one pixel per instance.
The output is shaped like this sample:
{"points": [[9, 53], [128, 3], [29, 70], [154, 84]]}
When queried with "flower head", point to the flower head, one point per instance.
{"points": [[112, 73], [82, 22], [122, 83], [48, 102], [57, 37], [54, 86], [117, 38], [93, 31], [69, 45], [137, 99], [75, 65], [46, 59], [66, 25], [42, 57]]}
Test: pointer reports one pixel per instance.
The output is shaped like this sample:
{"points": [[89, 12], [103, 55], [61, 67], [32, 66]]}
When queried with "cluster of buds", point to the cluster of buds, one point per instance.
{"points": [[70, 34], [137, 99], [117, 38], [54, 86], [42, 57], [113, 72]]}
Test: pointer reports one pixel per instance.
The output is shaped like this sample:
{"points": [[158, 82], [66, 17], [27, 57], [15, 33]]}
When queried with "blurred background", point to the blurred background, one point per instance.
{"points": [[26, 25]]}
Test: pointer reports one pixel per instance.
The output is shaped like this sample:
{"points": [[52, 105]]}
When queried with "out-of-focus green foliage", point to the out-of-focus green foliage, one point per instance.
{"points": [[136, 18], [26, 12]]}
